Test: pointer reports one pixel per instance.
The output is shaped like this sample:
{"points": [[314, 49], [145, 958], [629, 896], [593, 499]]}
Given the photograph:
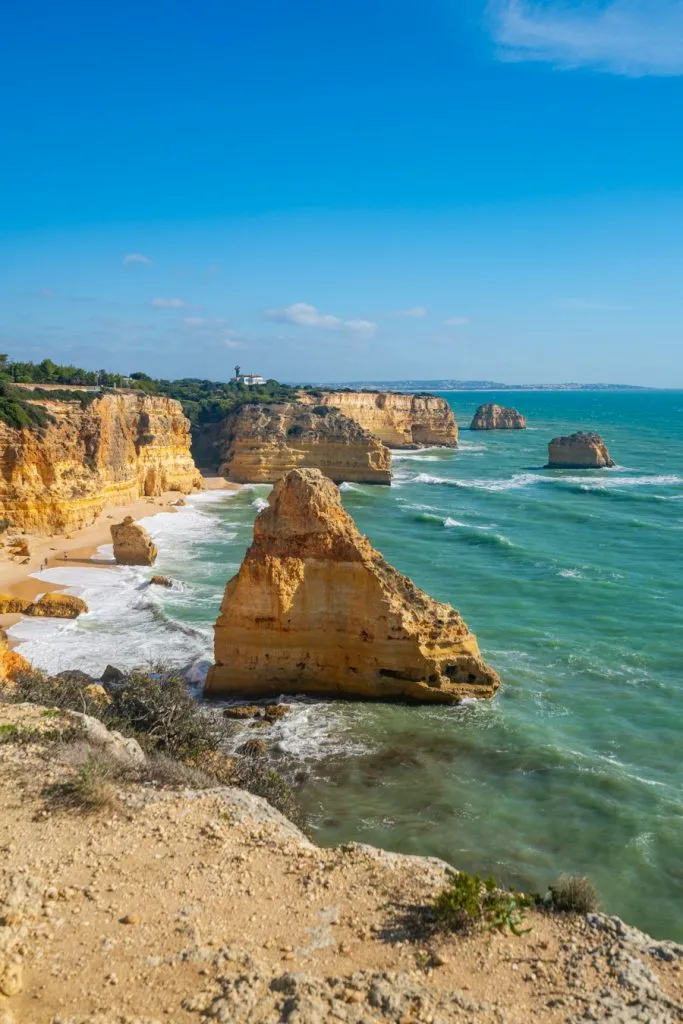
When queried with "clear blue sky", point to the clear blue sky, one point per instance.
{"points": [[330, 191]]}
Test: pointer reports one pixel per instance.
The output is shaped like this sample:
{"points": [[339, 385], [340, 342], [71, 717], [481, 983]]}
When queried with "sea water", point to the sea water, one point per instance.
{"points": [[572, 582]]}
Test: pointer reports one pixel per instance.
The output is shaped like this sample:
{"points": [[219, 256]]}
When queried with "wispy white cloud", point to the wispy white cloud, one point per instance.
{"points": [[161, 303], [456, 321], [589, 304], [204, 321], [137, 257], [416, 311], [624, 37], [304, 315], [362, 328]]}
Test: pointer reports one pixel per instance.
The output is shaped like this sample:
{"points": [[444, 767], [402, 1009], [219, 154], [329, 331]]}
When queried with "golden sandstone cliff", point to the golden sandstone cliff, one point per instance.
{"points": [[258, 443], [398, 420], [315, 609], [120, 447], [579, 451]]}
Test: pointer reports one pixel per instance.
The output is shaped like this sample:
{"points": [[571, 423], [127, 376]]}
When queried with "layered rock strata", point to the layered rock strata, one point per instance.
{"points": [[119, 448], [497, 417], [579, 451], [132, 544], [315, 609], [398, 420], [259, 443]]}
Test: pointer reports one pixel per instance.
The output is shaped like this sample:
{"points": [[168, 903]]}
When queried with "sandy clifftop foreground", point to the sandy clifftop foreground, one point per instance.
{"points": [[314, 608], [118, 448], [201, 906], [398, 420]]}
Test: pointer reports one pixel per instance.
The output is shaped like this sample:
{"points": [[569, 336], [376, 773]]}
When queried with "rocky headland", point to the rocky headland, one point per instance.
{"points": [[260, 442], [59, 477], [130, 900], [398, 420], [315, 609], [579, 451], [497, 417]]}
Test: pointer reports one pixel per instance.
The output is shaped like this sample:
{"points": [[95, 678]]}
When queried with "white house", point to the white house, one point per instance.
{"points": [[248, 379]]}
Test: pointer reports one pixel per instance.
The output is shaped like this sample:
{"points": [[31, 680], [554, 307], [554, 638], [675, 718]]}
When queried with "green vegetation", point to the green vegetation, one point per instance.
{"points": [[208, 401], [185, 743], [48, 372], [574, 894], [203, 401], [469, 902]]}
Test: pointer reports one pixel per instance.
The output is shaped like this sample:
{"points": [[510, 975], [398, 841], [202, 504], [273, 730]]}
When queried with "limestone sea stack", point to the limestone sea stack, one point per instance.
{"points": [[315, 609], [497, 417], [132, 544], [578, 451], [11, 663]]}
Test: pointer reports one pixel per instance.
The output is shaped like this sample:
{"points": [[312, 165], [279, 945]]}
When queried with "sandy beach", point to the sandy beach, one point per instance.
{"points": [[80, 546]]}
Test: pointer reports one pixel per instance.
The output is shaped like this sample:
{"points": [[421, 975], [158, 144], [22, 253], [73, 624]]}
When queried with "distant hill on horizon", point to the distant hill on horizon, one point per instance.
{"points": [[479, 385]]}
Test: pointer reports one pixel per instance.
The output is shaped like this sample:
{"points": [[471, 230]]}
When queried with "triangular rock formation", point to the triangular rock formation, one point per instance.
{"points": [[315, 609]]}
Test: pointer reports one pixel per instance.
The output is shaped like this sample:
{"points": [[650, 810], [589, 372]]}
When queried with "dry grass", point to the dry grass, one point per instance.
{"points": [[574, 894]]}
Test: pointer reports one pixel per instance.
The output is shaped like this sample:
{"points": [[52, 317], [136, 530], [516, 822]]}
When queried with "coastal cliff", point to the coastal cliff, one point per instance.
{"points": [[398, 420], [120, 447], [315, 609], [259, 443]]}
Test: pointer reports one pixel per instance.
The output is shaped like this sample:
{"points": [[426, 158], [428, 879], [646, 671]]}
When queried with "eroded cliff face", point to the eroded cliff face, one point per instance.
{"points": [[259, 443], [579, 451], [400, 421], [315, 609], [119, 448]]}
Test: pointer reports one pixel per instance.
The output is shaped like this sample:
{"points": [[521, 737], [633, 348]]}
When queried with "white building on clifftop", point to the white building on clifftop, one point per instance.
{"points": [[248, 379]]}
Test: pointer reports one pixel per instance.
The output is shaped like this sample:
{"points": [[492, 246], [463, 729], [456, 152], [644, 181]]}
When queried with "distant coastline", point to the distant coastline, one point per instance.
{"points": [[478, 385]]}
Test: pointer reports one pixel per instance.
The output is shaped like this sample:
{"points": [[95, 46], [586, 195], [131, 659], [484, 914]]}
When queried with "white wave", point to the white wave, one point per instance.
{"points": [[573, 574], [346, 486], [259, 504]]}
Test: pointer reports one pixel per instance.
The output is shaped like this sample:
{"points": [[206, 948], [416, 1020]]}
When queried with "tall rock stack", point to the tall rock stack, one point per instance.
{"points": [[579, 451], [315, 609]]}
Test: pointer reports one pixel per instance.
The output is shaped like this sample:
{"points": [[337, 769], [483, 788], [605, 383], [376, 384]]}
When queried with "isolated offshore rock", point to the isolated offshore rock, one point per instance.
{"points": [[579, 451], [398, 420], [497, 417], [315, 609], [132, 544]]}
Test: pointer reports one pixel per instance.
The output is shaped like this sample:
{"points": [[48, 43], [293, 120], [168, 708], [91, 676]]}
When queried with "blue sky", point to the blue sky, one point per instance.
{"points": [[335, 191]]}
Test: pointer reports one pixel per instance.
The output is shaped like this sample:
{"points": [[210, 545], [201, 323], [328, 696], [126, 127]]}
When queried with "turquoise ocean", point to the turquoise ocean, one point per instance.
{"points": [[572, 581]]}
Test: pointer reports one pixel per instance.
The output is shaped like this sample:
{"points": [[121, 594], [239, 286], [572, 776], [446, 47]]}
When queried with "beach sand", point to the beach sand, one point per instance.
{"points": [[80, 546]]}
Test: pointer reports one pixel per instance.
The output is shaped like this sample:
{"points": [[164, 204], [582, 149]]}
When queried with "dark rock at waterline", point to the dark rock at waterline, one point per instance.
{"points": [[242, 711], [161, 581], [74, 676], [112, 675], [253, 748]]}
